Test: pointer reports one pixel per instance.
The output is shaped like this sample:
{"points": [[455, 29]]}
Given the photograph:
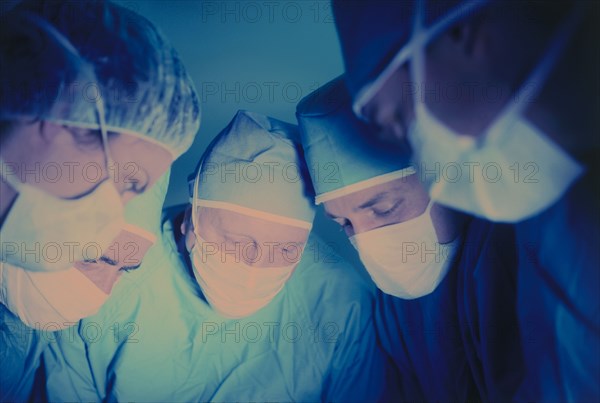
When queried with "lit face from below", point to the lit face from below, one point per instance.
{"points": [[70, 162], [389, 203], [241, 238], [125, 254]]}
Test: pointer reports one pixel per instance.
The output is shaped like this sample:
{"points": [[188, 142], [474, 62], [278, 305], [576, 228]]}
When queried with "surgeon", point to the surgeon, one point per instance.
{"points": [[81, 136], [538, 132], [236, 302], [95, 106], [415, 252]]}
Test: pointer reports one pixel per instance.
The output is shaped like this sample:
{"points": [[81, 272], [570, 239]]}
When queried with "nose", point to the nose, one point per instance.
{"points": [[359, 226], [102, 274], [108, 280], [393, 132]]}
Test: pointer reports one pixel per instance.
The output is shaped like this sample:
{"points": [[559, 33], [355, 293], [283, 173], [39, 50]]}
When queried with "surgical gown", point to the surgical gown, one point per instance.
{"points": [[20, 351], [157, 339], [461, 342], [559, 297]]}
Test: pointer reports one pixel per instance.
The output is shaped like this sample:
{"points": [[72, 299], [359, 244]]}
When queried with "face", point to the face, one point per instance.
{"points": [[466, 83], [70, 163], [123, 255], [385, 204], [139, 164], [390, 203], [391, 109], [255, 242]]}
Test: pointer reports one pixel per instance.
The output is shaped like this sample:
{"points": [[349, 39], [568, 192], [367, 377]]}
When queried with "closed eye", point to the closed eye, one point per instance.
{"points": [[108, 260], [385, 211], [127, 269]]}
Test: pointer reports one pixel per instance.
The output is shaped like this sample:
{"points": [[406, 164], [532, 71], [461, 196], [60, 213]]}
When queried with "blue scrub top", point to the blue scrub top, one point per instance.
{"points": [[559, 297], [423, 337], [487, 311], [20, 350], [156, 339], [461, 342]]}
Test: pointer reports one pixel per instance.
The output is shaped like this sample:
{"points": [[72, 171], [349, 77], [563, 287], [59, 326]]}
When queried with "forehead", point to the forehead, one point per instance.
{"points": [[230, 222], [408, 187], [128, 240]]}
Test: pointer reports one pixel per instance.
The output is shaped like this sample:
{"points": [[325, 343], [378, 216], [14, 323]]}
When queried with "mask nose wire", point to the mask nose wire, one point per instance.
{"points": [[538, 77]]}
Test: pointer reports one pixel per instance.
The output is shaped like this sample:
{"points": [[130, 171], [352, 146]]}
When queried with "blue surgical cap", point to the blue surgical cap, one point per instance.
{"points": [[144, 87], [255, 167], [339, 148], [375, 37], [42, 75]]}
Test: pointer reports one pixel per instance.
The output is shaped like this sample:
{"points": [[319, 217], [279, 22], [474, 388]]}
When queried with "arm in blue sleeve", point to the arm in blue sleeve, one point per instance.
{"points": [[360, 370]]}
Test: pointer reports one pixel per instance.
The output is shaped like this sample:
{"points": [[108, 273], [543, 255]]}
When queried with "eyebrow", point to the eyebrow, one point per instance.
{"points": [[373, 201], [112, 262]]}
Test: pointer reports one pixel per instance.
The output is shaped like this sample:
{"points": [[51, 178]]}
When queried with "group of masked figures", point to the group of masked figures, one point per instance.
{"points": [[457, 151]]}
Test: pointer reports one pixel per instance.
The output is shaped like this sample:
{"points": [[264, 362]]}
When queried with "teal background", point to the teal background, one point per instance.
{"points": [[263, 56]]}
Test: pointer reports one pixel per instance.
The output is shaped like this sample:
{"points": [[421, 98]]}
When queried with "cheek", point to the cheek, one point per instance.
{"points": [[364, 222], [71, 171], [104, 276], [134, 155], [445, 222]]}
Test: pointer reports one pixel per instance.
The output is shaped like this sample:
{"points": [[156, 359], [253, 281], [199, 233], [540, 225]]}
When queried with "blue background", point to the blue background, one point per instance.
{"points": [[263, 56]]}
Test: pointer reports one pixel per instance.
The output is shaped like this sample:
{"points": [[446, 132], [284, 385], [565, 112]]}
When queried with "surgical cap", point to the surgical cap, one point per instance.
{"points": [[144, 87], [255, 167], [375, 37], [338, 146], [41, 72]]}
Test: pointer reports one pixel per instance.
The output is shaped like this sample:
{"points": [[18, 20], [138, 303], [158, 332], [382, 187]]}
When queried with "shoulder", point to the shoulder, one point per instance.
{"points": [[328, 286]]}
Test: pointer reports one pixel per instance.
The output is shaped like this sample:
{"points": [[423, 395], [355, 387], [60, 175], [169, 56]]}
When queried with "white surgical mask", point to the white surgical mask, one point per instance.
{"points": [[405, 259], [42, 232], [49, 301], [514, 170], [235, 289]]}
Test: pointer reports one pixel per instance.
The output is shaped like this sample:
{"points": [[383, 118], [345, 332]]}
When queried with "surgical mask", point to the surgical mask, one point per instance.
{"points": [[233, 289], [236, 290], [45, 233], [406, 259], [513, 171], [49, 301]]}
